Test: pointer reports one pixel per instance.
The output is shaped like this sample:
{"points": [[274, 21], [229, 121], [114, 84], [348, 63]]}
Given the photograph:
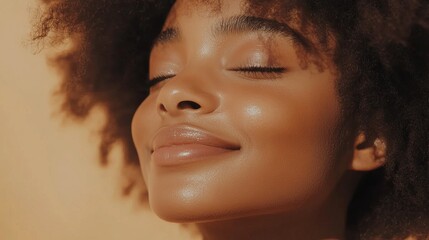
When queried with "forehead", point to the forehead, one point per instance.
{"points": [[231, 18], [214, 8], [310, 47], [202, 8]]}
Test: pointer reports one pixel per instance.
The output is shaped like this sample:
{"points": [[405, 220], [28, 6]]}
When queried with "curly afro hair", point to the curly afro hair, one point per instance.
{"points": [[381, 51]]}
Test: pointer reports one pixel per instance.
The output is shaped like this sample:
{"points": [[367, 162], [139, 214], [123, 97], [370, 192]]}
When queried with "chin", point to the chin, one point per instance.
{"points": [[185, 209]]}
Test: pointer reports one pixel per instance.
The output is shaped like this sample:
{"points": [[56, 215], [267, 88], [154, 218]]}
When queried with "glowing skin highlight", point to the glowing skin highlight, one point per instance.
{"points": [[235, 135]]}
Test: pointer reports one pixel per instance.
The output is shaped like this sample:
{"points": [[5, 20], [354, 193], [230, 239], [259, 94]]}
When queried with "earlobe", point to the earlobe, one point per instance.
{"points": [[368, 155]]}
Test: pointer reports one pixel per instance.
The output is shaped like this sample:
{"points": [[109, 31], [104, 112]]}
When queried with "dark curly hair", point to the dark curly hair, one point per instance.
{"points": [[381, 51]]}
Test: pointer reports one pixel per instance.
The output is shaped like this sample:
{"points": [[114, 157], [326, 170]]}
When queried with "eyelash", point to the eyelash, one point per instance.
{"points": [[153, 81], [256, 71], [260, 71]]}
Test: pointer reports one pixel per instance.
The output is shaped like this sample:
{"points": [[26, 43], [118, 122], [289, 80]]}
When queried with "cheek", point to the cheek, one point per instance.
{"points": [[145, 122], [281, 119], [287, 137]]}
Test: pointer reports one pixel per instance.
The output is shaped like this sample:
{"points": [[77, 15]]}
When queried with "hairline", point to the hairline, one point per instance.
{"points": [[240, 24]]}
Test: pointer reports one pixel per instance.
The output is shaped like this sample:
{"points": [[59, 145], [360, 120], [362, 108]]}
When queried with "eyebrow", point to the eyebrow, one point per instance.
{"points": [[241, 24], [167, 35]]}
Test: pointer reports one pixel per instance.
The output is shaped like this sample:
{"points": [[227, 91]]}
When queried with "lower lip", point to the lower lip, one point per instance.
{"points": [[181, 154]]}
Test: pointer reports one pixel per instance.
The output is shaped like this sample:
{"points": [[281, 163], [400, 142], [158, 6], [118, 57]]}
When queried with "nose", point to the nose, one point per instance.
{"points": [[186, 95]]}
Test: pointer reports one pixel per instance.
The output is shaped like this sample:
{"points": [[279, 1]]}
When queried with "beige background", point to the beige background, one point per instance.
{"points": [[51, 185]]}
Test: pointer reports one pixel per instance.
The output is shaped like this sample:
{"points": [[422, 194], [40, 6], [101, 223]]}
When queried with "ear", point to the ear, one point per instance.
{"points": [[368, 154]]}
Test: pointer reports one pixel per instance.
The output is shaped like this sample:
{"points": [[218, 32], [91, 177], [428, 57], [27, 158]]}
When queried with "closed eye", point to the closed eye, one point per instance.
{"points": [[259, 69], [255, 71], [260, 72], [153, 81]]}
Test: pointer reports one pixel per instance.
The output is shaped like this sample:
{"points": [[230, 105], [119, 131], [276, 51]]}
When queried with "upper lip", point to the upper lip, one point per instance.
{"points": [[185, 134]]}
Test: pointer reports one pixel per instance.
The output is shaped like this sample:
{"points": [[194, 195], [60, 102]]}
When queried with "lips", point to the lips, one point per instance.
{"points": [[183, 143]]}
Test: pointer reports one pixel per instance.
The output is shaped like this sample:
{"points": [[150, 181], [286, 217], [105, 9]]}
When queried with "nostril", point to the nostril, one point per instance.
{"points": [[162, 108], [188, 105]]}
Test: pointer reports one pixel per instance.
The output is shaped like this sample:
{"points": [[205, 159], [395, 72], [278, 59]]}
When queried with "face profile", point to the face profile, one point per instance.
{"points": [[245, 87], [234, 126], [278, 119]]}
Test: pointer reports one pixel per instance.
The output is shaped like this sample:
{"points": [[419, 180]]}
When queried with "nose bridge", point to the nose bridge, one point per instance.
{"points": [[187, 93]]}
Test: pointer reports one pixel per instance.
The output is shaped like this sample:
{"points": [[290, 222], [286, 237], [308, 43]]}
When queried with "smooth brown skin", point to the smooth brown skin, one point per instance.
{"points": [[283, 183]]}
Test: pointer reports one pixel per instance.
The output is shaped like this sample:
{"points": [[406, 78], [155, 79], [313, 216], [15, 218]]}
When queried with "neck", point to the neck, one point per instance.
{"points": [[327, 221], [305, 226]]}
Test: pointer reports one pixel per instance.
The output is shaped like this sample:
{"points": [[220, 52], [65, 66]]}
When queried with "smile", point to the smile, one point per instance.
{"points": [[182, 144]]}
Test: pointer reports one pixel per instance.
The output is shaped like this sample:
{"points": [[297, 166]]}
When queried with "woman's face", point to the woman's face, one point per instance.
{"points": [[237, 126]]}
